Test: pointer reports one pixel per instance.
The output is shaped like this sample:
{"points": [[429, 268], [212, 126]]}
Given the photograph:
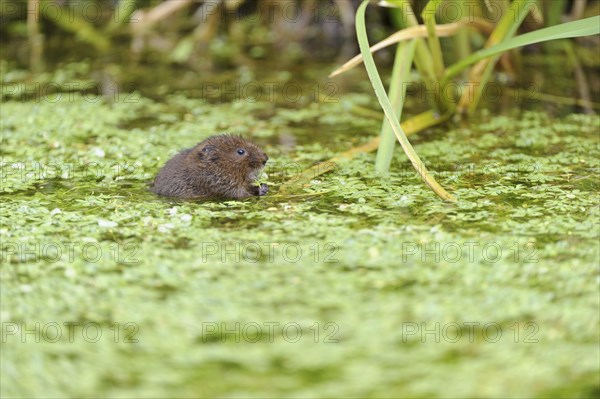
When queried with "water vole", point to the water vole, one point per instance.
{"points": [[223, 166]]}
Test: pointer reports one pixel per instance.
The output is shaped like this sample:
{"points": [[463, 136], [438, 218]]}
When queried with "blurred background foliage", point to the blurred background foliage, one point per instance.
{"points": [[194, 33], [151, 43]]}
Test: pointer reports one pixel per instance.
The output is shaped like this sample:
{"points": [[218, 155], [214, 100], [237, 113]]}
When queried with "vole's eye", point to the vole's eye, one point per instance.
{"points": [[241, 151]]}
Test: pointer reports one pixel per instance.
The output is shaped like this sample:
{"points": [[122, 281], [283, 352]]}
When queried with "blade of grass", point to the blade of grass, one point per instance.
{"points": [[404, 17], [435, 47], [36, 40], [462, 40], [400, 74], [583, 27], [554, 10], [553, 13], [481, 73], [413, 33], [363, 42]]}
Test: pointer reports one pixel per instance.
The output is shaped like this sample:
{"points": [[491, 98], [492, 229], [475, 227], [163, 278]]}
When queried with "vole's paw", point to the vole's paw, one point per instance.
{"points": [[263, 189]]}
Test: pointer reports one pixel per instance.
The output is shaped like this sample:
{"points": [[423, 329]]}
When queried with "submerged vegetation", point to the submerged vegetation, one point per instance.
{"points": [[349, 279]]}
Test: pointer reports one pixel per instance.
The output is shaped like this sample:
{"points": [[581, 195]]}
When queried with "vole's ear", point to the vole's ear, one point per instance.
{"points": [[207, 150]]}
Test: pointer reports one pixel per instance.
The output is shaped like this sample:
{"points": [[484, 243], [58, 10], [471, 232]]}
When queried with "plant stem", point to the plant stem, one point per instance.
{"points": [[435, 47], [419, 166], [36, 40], [405, 16], [482, 72], [397, 91]]}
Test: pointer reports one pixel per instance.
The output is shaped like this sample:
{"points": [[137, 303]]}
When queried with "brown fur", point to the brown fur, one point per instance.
{"points": [[213, 169]]}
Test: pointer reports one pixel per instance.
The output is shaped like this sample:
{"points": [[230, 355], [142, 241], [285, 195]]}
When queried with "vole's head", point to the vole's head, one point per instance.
{"points": [[232, 155]]}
